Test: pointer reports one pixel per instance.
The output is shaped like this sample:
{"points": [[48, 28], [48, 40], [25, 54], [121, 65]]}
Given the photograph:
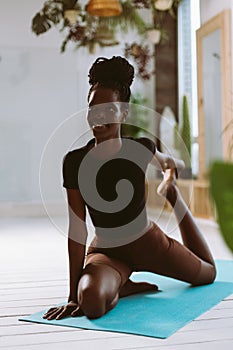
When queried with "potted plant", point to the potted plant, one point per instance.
{"points": [[136, 118], [221, 189], [183, 140]]}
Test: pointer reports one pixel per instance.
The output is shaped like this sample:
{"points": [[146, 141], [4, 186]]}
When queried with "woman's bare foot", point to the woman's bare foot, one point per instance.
{"points": [[167, 188], [131, 287]]}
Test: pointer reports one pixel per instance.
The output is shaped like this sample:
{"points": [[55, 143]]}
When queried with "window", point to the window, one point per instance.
{"points": [[188, 23]]}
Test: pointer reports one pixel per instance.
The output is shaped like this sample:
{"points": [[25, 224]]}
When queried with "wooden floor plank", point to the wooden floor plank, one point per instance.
{"points": [[9, 321], [208, 324], [105, 339], [32, 302], [58, 337], [210, 345], [49, 290], [33, 328], [225, 304], [219, 313], [33, 285], [30, 282], [18, 311], [28, 298]]}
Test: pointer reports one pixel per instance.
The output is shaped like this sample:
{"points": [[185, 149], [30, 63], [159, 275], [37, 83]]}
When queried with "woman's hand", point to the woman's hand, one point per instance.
{"points": [[62, 311]]}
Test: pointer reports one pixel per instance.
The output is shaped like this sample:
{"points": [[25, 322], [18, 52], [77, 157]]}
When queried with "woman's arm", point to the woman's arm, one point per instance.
{"points": [[77, 236]]}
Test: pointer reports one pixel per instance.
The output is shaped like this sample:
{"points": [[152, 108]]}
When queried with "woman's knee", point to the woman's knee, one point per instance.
{"points": [[97, 290], [92, 302], [206, 275]]}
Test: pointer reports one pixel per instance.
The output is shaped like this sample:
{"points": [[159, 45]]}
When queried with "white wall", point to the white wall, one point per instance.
{"points": [[210, 8], [212, 81], [39, 89]]}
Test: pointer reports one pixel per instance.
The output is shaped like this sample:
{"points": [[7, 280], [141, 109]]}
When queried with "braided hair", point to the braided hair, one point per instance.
{"points": [[115, 73]]}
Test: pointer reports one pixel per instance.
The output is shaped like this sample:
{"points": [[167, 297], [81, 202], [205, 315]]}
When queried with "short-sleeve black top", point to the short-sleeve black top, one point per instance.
{"points": [[130, 165]]}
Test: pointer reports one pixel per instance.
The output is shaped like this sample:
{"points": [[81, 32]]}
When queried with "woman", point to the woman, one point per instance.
{"points": [[100, 277]]}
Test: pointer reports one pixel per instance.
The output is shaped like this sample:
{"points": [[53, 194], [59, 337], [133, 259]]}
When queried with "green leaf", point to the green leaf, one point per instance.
{"points": [[69, 4], [186, 133], [221, 187], [40, 24]]}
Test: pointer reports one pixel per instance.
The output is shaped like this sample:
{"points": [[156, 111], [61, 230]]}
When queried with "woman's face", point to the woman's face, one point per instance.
{"points": [[105, 113]]}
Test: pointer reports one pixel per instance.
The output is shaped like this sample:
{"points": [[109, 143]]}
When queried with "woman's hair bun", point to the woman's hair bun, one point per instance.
{"points": [[116, 69]]}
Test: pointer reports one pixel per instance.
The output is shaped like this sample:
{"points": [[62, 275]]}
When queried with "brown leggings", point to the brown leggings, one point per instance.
{"points": [[153, 252]]}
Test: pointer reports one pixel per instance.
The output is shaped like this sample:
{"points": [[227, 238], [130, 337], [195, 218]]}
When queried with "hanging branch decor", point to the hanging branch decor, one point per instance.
{"points": [[83, 29], [141, 55], [87, 30]]}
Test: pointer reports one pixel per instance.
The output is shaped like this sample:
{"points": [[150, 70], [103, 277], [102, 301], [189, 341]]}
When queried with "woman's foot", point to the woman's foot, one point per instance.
{"points": [[167, 188], [131, 287], [168, 179]]}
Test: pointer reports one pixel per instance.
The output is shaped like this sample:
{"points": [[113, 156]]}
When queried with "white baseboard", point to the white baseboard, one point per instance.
{"points": [[32, 209]]}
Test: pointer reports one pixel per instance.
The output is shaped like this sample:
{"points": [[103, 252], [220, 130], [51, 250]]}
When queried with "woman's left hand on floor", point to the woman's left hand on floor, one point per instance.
{"points": [[59, 312]]}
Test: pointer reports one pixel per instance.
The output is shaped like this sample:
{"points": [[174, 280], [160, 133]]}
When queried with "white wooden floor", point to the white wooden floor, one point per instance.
{"points": [[33, 276]]}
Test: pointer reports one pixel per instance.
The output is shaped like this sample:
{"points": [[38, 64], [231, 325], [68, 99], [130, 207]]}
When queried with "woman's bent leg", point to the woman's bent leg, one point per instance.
{"points": [[191, 236], [98, 289], [163, 255]]}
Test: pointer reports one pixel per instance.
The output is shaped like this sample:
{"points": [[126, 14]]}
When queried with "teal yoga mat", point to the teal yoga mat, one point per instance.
{"points": [[156, 314]]}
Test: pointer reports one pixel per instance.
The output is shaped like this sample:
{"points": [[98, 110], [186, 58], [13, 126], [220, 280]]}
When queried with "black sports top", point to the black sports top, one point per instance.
{"points": [[111, 202]]}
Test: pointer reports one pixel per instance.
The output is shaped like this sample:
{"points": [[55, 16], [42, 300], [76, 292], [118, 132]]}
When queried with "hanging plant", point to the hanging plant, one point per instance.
{"points": [[141, 55], [85, 30], [54, 12]]}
